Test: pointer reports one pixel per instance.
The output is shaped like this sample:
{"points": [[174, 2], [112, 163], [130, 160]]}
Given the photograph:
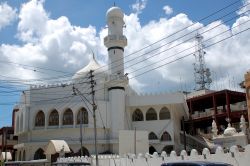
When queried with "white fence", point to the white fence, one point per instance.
{"points": [[234, 157]]}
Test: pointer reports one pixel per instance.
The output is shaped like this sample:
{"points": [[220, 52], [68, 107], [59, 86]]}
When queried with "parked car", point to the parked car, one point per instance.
{"points": [[195, 163]]}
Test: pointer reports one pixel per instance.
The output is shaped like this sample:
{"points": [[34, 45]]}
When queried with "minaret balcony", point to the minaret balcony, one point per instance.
{"points": [[115, 40]]}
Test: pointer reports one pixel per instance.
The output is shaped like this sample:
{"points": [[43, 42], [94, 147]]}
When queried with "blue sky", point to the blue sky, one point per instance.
{"points": [[24, 42]]}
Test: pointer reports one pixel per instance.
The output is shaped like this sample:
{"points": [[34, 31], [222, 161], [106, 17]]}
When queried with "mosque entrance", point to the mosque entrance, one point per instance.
{"points": [[39, 154], [84, 151], [152, 150], [168, 149]]}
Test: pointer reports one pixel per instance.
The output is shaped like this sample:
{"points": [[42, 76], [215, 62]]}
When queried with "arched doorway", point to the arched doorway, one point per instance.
{"points": [[152, 150], [71, 154], [39, 154], [168, 149], [84, 151], [54, 157]]}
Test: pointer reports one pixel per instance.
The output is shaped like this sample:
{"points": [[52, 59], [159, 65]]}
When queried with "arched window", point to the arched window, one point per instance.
{"points": [[84, 114], [151, 114], [68, 117], [137, 115], [54, 118], [166, 137], [152, 136], [164, 114], [40, 119], [39, 154]]}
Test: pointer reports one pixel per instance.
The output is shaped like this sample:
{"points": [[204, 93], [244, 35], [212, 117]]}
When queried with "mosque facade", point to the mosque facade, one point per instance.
{"points": [[63, 111]]}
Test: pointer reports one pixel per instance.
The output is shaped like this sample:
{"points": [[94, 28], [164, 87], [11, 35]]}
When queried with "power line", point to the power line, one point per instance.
{"points": [[179, 58], [185, 50], [191, 53], [230, 19], [58, 71], [172, 34], [184, 28]]}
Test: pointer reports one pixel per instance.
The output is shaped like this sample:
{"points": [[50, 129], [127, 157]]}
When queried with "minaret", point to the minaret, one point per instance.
{"points": [[117, 82], [115, 41]]}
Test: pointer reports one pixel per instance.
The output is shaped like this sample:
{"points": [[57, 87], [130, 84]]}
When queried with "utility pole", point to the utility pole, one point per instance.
{"points": [[81, 132], [5, 144], [184, 133], [92, 82], [81, 150], [135, 142]]}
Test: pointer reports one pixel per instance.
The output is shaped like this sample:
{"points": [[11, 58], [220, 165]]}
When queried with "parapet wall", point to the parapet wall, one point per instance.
{"points": [[234, 157]]}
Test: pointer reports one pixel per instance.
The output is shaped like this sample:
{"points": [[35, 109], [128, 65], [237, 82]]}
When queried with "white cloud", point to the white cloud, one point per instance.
{"points": [[168, 10], [33, 20], [7, 13], [139, 6], [245, 8], [53, 43]]}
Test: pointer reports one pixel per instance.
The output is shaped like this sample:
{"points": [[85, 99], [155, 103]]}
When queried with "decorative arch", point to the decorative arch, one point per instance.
{"points": [[152, 136], [151, 114], [84, 114], [168, 149], [54, 118], [40, 119], [166, 136], [164, 113], [151, 150], [39, 154], [68, 117], [137, 115], [84, 151]]}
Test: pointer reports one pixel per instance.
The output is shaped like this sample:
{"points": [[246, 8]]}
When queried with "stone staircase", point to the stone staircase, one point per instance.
{"points": [[196, 142]]}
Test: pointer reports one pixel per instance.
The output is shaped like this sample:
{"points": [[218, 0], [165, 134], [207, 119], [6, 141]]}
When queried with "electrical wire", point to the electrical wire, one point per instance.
{"points": [[202, 19], [11, 91]]}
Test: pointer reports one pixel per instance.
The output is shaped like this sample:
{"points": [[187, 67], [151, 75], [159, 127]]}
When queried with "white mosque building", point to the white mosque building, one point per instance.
{"points": [[51, 112]]}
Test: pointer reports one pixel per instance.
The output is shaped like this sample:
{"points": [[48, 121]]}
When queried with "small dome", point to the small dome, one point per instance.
{"points": [[229, 131], [114, 12], [93, 65]]}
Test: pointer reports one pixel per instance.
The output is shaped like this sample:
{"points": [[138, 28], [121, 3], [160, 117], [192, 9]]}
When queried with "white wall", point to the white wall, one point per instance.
{"points": [[235, 158], [131, 140]]}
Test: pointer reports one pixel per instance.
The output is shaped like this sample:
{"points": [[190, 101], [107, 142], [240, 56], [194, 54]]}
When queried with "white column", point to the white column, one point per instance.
{"points": [[117, 108]]}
